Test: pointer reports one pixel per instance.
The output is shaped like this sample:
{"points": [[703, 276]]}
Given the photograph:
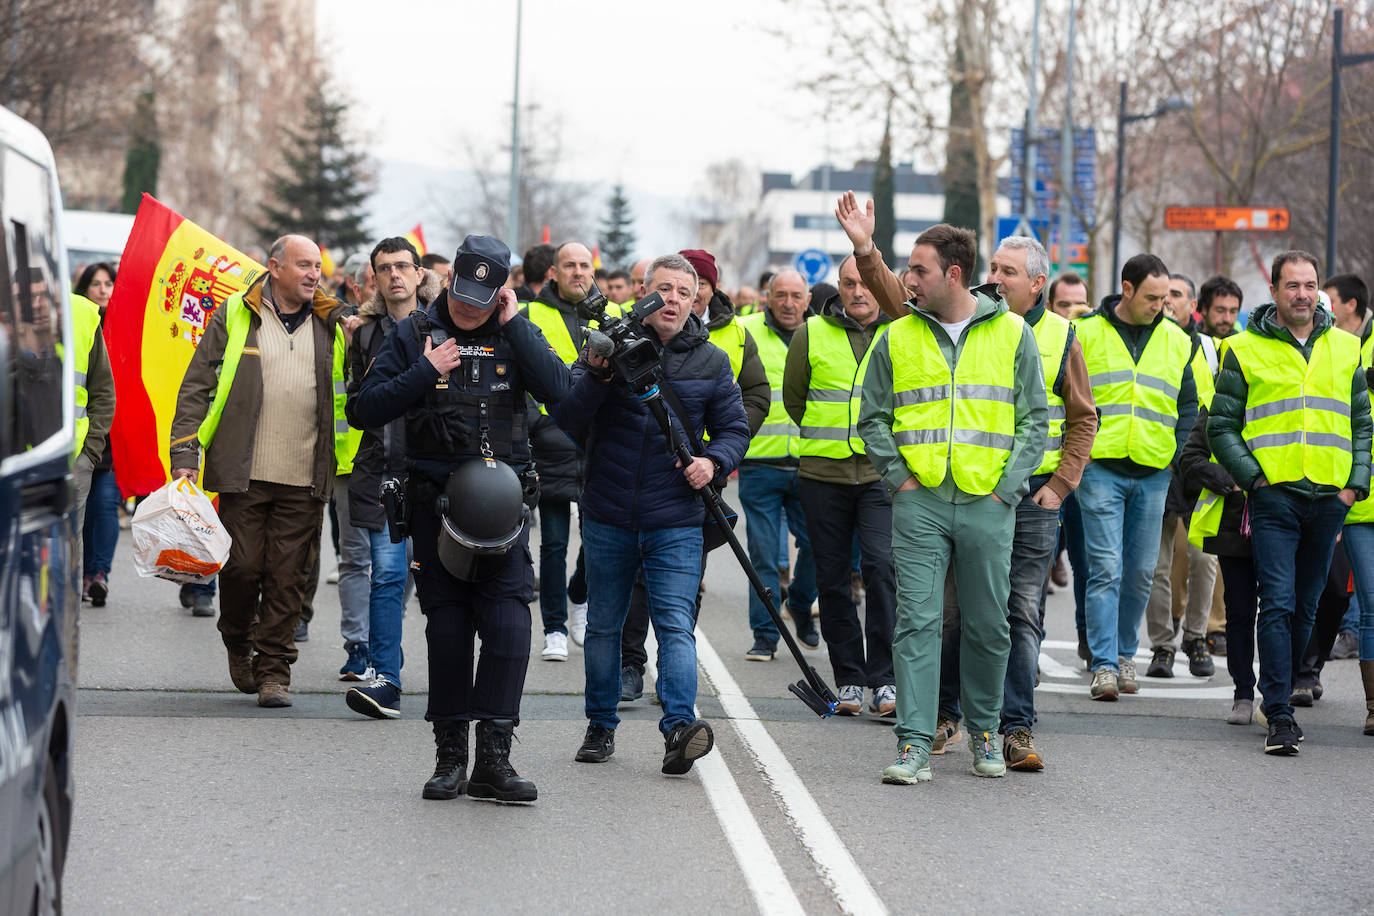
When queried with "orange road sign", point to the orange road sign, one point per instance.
{"points": [[1223, 219]]}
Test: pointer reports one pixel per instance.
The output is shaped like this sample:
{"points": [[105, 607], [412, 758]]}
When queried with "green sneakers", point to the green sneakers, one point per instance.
{"points": [[911, 766], [987, 755]]}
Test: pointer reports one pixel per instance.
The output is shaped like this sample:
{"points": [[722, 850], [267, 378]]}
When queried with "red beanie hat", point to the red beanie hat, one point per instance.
{"points": [[703, 262]]}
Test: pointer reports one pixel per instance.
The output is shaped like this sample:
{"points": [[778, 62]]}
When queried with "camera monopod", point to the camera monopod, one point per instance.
{"points": [[812, 689]]}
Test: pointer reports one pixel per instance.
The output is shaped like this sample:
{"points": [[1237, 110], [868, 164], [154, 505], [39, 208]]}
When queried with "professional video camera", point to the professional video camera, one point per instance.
{"points": [[622, 340], [635, 358]]}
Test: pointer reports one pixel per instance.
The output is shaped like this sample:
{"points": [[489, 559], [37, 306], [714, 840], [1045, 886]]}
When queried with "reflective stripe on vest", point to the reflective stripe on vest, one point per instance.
{"points": [[778, 437], [346, 438], [1138, 402], [1297, 411], [829, 425], [1052, 340], [730, 338], [970, 433], [85, 325]]}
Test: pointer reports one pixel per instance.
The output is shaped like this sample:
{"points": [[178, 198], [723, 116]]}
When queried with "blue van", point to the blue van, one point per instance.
{"points": [[39, 594]]}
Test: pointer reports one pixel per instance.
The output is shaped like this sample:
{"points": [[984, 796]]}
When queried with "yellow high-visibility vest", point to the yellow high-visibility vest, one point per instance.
{"points": [[85, 325], [1052, 340], [1137, 401], [1363, 511], [829, 425], [965, 419], [1297, 411], [778, 436], [730, 338]]}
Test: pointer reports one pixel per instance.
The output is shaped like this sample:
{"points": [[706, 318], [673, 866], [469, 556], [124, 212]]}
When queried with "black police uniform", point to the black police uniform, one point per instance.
{"points": [[448, 419]]}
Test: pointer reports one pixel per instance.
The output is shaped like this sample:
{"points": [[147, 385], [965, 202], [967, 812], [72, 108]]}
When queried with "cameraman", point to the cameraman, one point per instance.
{"points": [[458, 371], [640, 508]]}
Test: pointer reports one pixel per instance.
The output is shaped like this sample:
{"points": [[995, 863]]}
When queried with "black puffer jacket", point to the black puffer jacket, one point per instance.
{"points": [[1227, 418], [1197, 472]]}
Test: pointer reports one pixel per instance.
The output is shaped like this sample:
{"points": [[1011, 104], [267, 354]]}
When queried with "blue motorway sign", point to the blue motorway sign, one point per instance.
{"points": [[1046, 184], [813, 264]]}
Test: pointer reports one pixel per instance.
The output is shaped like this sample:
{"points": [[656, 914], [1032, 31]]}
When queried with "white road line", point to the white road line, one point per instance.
{"points": [[833, 862], [767, 881]]}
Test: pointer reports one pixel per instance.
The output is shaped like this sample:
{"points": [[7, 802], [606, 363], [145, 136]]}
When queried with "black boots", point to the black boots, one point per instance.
{"points": [[451, 760], [493, 778]]}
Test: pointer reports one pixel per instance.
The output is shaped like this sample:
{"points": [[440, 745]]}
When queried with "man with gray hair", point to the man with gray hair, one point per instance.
{"points": [[640, 508], [1019, 270]]}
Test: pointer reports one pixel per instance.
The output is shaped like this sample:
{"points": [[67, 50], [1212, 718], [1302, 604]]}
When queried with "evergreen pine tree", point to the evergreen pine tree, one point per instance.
{"points": [[321, 188], [961, 163], [884, 196], [617, 230], [143, 156]]}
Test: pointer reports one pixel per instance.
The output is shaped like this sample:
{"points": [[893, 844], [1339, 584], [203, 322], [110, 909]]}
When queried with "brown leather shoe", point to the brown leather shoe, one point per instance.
{"points": [[241, 672], [273, 695]]}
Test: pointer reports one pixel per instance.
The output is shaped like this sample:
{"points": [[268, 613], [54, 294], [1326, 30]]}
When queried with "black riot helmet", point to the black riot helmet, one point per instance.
{"points": [[482, 513]]}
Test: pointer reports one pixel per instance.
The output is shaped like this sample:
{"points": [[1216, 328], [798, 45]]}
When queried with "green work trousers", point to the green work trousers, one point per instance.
{"points": [[928, 534]]}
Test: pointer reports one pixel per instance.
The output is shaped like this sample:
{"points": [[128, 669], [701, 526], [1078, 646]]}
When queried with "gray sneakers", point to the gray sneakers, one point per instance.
{"points": [[1125, 676]]}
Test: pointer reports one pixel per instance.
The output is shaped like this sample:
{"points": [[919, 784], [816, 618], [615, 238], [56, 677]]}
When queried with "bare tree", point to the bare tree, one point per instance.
{"points": [[728, 218]]}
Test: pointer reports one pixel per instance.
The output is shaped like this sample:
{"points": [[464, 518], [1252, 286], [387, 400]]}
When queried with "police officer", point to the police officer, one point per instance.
{"points": [[458, 371]]}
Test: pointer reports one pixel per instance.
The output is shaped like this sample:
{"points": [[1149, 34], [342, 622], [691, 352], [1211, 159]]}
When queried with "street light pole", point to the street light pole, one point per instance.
{"points": [[1172, 103], [513, 201], [1339, 60], [1066, 165]]}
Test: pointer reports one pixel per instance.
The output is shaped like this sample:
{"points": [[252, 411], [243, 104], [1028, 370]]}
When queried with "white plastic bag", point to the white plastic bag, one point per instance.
{"points": [[178, 535]]}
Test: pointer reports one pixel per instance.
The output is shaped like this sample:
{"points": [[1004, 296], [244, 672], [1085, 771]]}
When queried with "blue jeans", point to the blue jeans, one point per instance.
{"points": [[768, 496], [1359, 547], [101, 526], [386, 605], [1033, 546], [1122, 518], [1350, 623], [671, 561], [555, 590], [1293, 539]]}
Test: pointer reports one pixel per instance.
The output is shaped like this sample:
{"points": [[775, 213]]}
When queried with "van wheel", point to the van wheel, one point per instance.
{"points": [[47, 879]]}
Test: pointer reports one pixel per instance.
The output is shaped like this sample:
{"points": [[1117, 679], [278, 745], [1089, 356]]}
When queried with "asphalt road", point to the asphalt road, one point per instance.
{"points": [[191, 799]]}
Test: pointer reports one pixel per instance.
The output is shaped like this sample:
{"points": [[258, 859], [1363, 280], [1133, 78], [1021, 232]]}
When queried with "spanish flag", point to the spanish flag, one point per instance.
{"points": [[417, 238], [172, 277]]}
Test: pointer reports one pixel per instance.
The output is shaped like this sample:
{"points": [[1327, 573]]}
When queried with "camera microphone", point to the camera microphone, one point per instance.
{"points": [[599, 344]]}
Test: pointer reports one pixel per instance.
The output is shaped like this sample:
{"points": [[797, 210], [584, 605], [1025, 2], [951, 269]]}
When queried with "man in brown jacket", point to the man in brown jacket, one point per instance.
{"points": [[258, 396], [1019, 268]]}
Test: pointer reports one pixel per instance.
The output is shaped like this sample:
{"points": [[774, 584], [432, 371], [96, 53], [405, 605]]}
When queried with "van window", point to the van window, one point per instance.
{"points": [[31, 300]]}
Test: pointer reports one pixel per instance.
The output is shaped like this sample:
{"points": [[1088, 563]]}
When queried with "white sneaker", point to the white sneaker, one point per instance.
{"points": [[332, 578], [555, 647], [577, 622]]}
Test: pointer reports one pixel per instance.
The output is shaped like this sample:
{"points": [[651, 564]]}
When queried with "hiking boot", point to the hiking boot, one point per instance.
{"points": [[1216, 643], [450, 761], [807, 631], [1018, 749], [493, 778], [202, 604], [884, 701], [99, 589], [273, 695], [856, 588], [1162, 664], [946, 733], [1301, 696], [1282, 740], [987, 755], [1059, 573], [1347, 645], [1200, 662], [631, 684], [1104, 685], [1242, 711], [685, 745], [598, 746], [555, 647], [302, 633], [1125, 676], [763, 650], [356, 668], [911, 766], [851, 697], [380, 700], [1318, 690], [577, 622], [241, 672]]}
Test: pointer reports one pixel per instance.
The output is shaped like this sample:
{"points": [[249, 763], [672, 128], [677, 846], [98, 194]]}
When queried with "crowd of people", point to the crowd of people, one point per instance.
{"points": [[914, 454]]}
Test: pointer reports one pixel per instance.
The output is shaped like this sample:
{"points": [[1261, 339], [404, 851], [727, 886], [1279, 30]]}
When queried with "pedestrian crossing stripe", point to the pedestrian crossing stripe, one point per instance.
{"points": [[1056, 677]]}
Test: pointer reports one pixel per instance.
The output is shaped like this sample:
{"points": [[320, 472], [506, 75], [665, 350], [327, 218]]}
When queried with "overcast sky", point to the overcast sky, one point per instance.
{"points": [[647, 92]]}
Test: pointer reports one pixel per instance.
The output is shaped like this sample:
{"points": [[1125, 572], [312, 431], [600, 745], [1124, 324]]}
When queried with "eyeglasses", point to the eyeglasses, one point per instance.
{"points": [[399, 267]]}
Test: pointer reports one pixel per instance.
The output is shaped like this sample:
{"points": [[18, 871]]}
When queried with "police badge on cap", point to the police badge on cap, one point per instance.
{"points": [[480, 268]]}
